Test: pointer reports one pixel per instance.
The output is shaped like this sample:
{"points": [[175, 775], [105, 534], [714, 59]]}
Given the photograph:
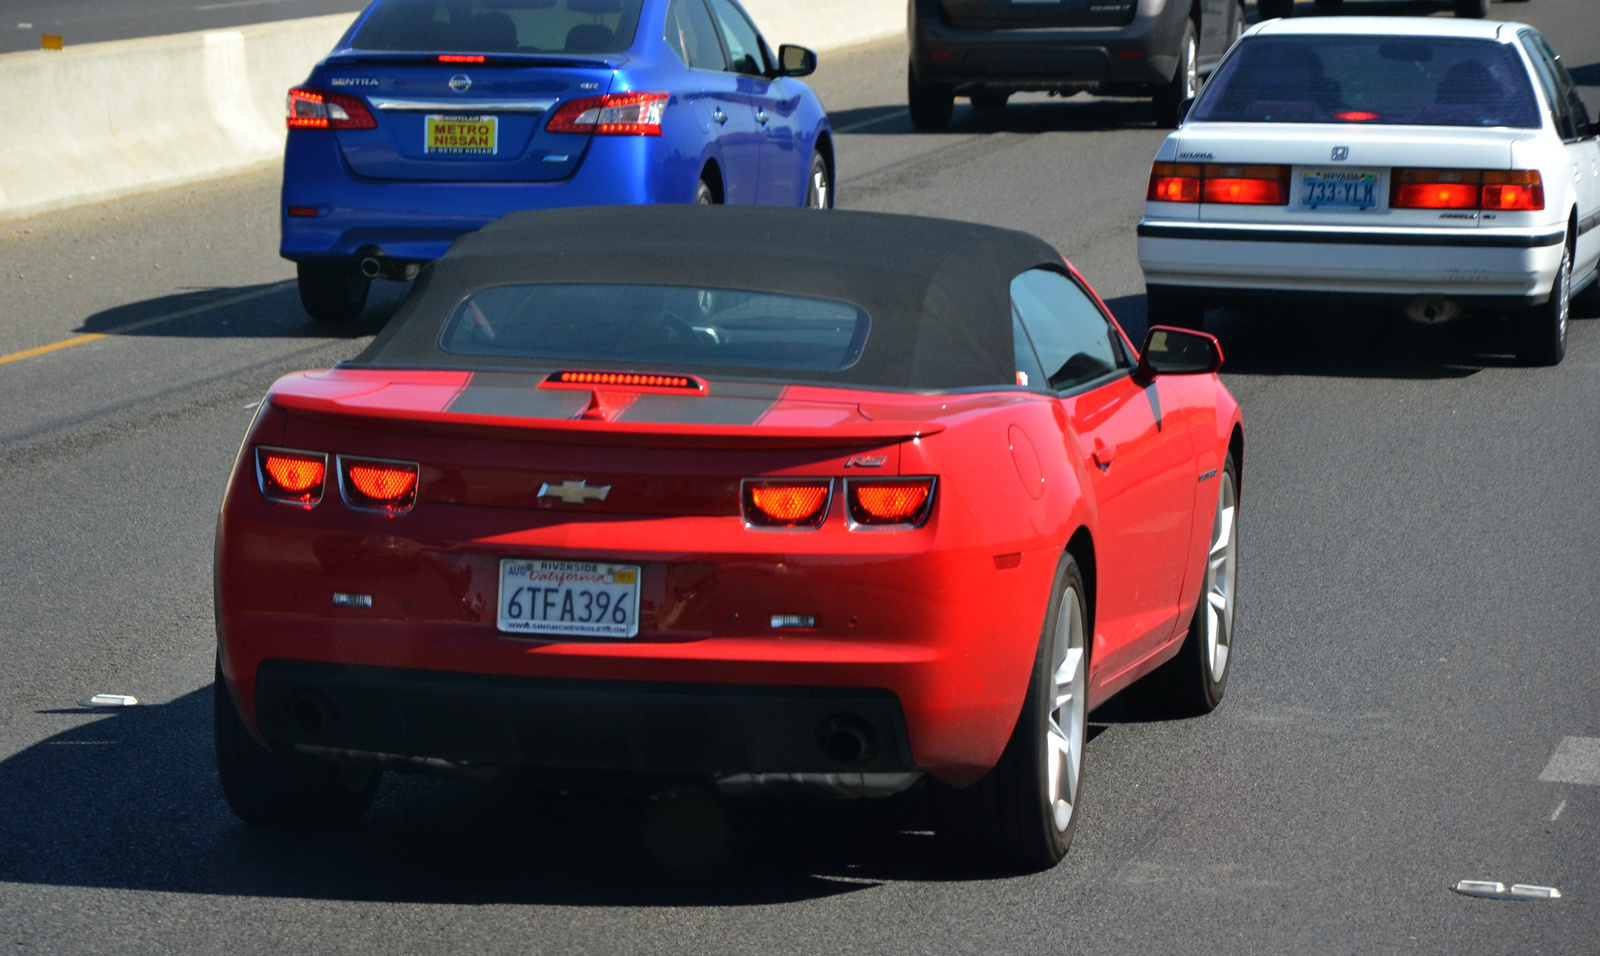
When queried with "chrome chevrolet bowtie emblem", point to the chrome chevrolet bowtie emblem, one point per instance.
{"points": [[1341, 153], [461, 82], [574, 492]]}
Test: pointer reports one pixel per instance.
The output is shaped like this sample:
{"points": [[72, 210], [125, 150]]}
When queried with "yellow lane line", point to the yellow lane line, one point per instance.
{"points": [[144, 323], [52, 347]]}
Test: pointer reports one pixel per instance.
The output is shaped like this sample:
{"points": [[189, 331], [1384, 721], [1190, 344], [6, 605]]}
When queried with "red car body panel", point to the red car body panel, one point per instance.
{"points": [[946, 616]]}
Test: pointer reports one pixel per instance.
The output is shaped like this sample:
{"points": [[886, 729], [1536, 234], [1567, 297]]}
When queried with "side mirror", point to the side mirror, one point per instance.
{"points": [[796, 61], [1170, 351], [1184, 108]]}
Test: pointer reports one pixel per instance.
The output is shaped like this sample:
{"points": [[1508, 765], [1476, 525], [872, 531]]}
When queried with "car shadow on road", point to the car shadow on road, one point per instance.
{"points": [[1586, 75], [267, 310], [1346, 342], [131, 800], [1033, 114]]}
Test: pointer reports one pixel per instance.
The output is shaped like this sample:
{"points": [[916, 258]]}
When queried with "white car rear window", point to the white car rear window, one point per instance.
{"points": [[1416, 81]]}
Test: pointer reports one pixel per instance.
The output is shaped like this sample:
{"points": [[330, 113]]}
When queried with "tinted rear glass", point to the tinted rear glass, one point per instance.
{"points": [[500, 26], [1421, 81], [631, 325]]}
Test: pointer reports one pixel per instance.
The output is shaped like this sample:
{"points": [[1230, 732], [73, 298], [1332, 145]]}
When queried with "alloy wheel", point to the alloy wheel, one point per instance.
{"points": [[1064, 732], [1564, 304], [1191, 69], [1221, 573], [817, 191]]}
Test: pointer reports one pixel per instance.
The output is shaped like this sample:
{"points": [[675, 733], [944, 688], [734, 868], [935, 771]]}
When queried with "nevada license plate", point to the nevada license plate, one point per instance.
{"points": [[569, 597], [462, 135], [1339, 188]]}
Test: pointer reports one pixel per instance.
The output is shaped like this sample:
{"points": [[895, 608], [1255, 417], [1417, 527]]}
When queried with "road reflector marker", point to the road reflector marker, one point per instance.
{"points": [[109, 700], [1576, 760], [50, 41]]}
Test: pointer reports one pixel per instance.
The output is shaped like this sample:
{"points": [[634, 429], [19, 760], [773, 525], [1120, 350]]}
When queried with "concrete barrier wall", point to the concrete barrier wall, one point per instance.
{"points": [[104, 120]]}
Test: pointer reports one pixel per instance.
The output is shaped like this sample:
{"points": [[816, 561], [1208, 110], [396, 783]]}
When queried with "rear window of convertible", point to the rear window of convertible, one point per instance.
{"points": [[657, 325], [1419, 81], [500, 26]]}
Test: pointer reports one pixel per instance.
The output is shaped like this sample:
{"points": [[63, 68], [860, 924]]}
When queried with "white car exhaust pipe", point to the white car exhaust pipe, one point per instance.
{"points": [[1433, 310]]}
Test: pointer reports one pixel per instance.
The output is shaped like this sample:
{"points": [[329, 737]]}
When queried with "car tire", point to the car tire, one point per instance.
{"points": [[819, 183], [931, 106], [1022, 813], [332, 291], [1194, 682], [1185, 81], [1274, 9], [1326, 7], [1174, 309], [1542, 330], [269, 788], [988, 102], [1472, 9], [704, 195]]}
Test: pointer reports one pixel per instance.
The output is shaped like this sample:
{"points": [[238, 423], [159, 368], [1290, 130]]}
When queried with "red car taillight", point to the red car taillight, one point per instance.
{"points": [[373, 485], [291, 477], [1246, 185], [786, 504], [615, 114], [902, 502], [1174, 182], [1513, 190], [314, 109], [1217, 183]]}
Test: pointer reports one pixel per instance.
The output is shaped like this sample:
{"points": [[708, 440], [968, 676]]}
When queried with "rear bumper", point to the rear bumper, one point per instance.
{"points": [[1142, 54], [414, 221], [1482, 267], [647, 727]]}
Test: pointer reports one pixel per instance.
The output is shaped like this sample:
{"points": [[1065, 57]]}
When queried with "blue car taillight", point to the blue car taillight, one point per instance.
{"points": [[314, 109]]}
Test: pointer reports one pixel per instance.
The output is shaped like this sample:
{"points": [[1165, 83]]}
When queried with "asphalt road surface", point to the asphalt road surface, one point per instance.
{"points": [[1416, 633], [23, 22]]}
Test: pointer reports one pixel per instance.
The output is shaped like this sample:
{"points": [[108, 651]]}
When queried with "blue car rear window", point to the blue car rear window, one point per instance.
{"points": [[500, 26], [671, 326], [1418, 81]]}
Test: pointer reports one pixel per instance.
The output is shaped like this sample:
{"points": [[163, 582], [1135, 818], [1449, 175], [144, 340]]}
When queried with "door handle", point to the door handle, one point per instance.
{"points": [[1103, 454], [720, 117], [761, 117]]}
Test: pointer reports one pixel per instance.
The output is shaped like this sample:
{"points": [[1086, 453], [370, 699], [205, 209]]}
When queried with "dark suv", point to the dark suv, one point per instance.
{"points": [[989, 49]]}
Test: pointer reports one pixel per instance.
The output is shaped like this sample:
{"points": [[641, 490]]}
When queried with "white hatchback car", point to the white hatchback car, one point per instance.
{"points": [[1440, 165]]}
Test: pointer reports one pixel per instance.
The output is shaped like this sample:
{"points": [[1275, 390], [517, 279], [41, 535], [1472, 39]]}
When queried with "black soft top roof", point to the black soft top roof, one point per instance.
{"points": [[937, 291]]}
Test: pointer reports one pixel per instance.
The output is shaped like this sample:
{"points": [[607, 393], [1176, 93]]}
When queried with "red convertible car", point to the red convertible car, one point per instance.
{"points": [[745, 498]]}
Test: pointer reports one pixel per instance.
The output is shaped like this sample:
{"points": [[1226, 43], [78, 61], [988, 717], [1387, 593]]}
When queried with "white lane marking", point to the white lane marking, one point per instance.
{"points": [[237, 3], [1576, 760], [1559, 807]]}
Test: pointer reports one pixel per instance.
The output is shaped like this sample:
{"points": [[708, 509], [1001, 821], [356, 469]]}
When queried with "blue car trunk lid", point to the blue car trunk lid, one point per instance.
{"points": [[463, 122]]}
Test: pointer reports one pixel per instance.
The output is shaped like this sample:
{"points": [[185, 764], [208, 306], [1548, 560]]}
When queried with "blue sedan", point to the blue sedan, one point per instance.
{"points": [[432, 118]]}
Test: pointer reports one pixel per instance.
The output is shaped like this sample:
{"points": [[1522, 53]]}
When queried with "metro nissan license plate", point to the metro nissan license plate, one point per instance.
{"points": [[569, 597], [1339, 188], [462, 135]]}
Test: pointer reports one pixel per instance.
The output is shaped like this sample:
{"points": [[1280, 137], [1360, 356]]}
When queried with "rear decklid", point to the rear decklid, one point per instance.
{"points": [[512, 440], [462, 121], [1038, 14]]}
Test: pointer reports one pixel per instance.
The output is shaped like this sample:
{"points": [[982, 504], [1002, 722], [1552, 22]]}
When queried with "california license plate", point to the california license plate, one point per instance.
{"points": [[1339, 188], [569, 597], [462, 135]]}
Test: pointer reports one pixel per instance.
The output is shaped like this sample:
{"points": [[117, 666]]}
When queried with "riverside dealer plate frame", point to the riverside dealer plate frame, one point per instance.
{"points": [[568, 598]]}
